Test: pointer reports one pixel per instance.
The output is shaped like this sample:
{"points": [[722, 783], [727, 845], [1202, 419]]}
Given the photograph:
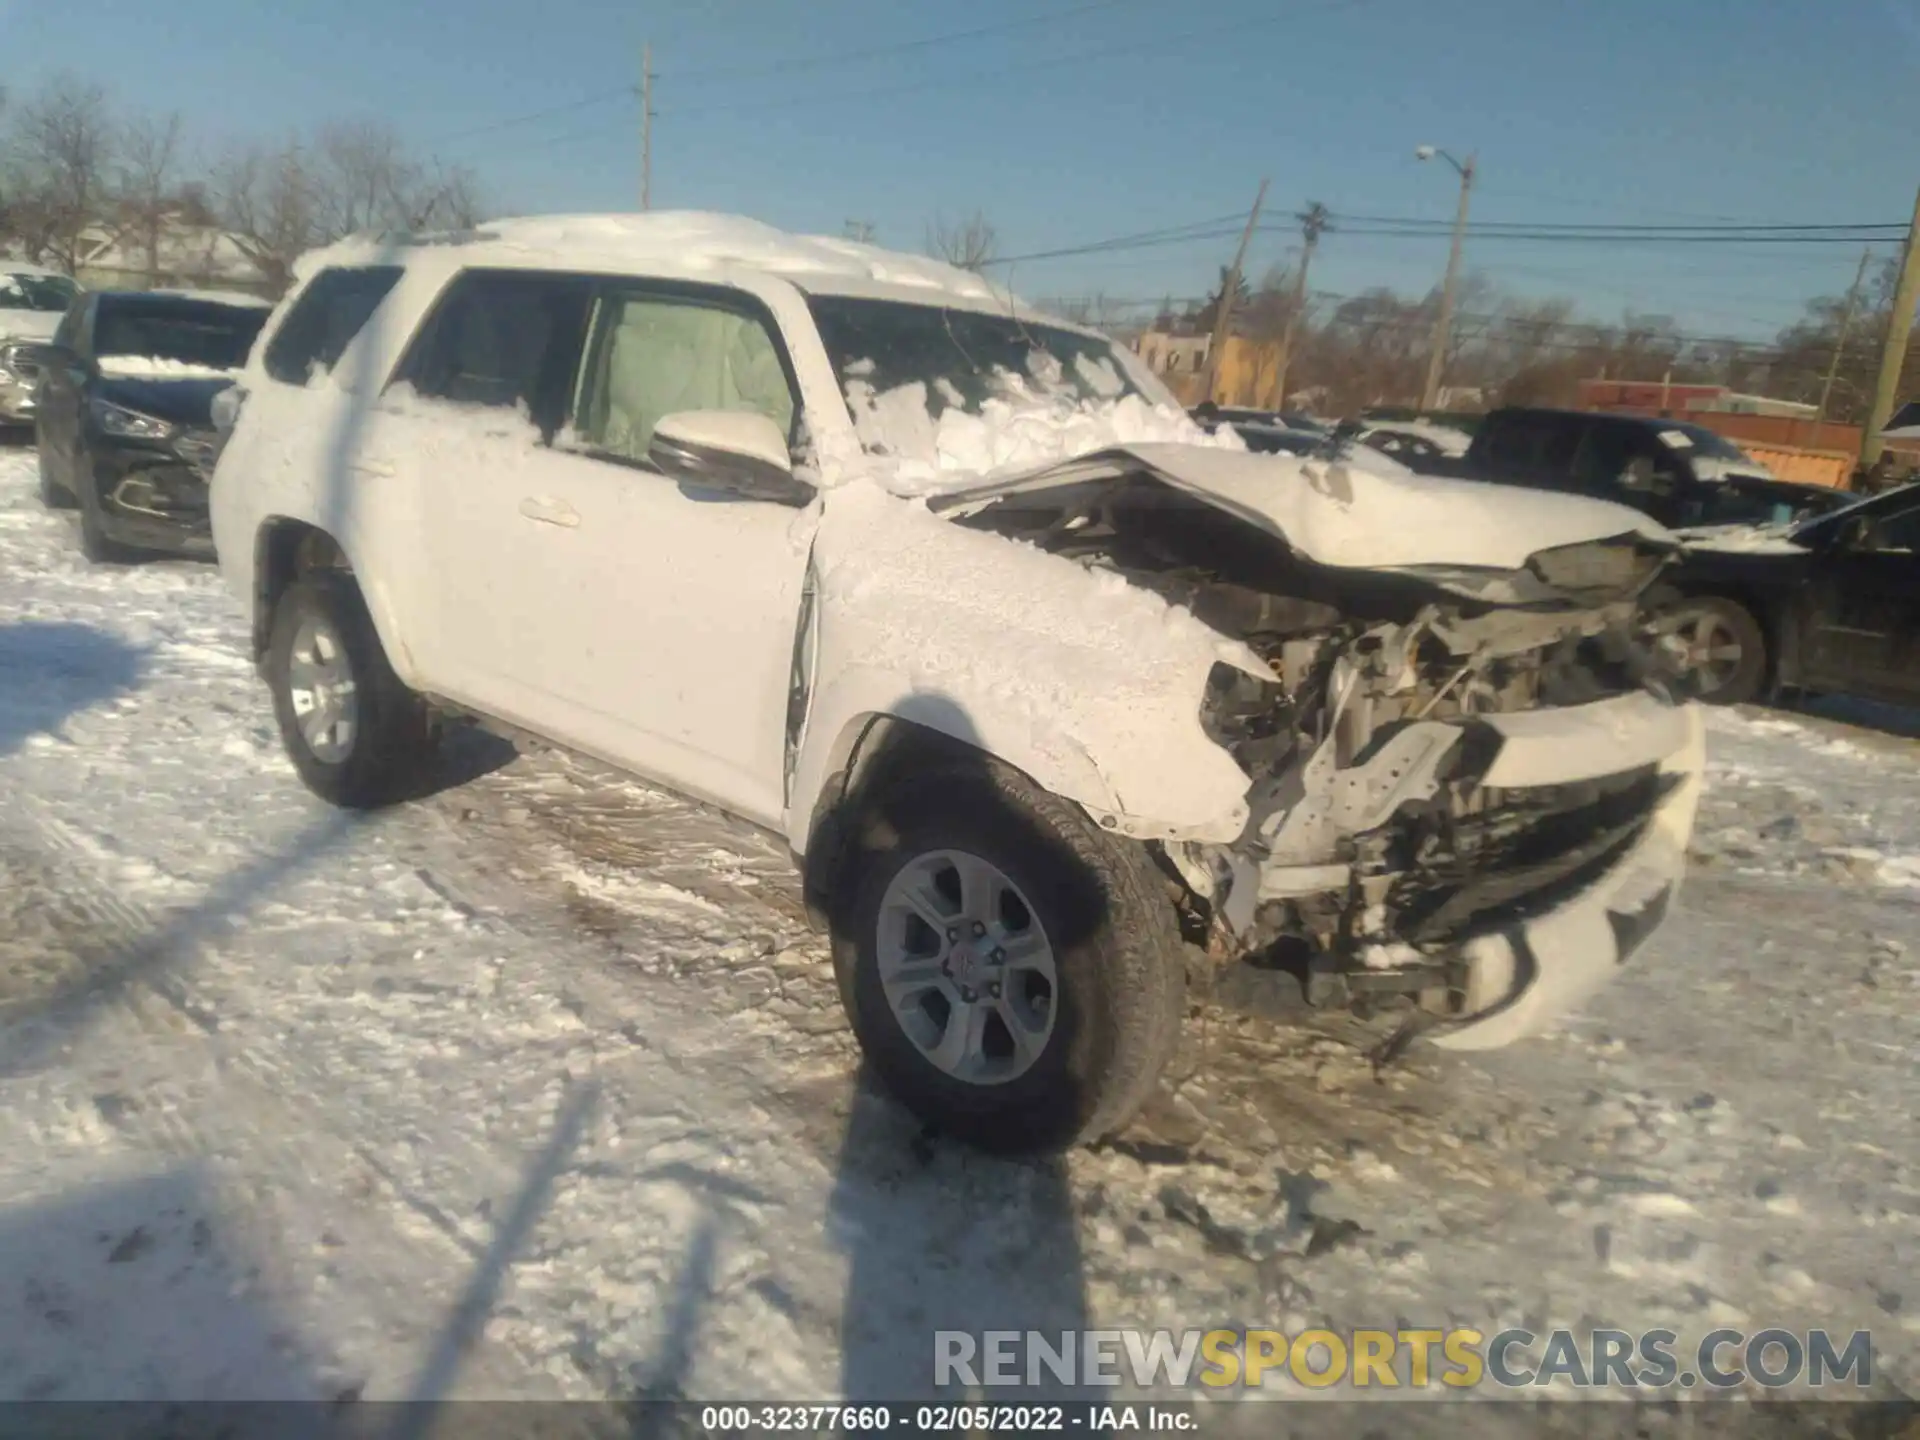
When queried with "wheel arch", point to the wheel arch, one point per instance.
{"points": [[871, 748], [286, 548]]}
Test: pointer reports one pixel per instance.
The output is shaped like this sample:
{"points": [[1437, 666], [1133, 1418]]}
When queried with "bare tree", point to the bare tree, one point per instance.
{"points": [[60, 159], [266, 198], [971, 244], [281, 200], [149, 158]]}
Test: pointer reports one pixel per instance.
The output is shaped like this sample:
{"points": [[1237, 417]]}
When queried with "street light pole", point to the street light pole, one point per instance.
{"points": [[1443, 327]]}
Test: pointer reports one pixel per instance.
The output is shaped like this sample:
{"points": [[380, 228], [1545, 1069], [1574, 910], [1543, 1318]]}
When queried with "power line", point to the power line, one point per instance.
{"points": [[972, 77], [599, 98], [1410, 227], [1556, 237], [1595, 227], [841, 57]]}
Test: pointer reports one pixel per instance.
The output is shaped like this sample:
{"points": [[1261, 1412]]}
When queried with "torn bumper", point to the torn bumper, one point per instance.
{"points": [[1524, 974]]}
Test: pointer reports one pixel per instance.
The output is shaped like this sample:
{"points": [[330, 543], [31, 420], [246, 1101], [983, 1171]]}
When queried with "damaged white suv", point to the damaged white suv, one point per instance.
{"points": [[1052, 695]]}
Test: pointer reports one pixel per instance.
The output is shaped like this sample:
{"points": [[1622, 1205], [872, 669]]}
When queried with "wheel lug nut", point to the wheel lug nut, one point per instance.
{"points": [[978, 928], [999, 957], [953, 932], [994, 990]]}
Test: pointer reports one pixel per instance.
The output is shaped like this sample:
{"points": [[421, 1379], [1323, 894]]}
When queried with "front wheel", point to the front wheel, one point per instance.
{"points": [[358, 737], [1014, 976], [1719, 646]]}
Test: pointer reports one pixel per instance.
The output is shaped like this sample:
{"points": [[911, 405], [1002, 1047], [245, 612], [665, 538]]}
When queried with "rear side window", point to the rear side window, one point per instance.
{"points": [[324, 320], [1540, 446], [507, 339]]}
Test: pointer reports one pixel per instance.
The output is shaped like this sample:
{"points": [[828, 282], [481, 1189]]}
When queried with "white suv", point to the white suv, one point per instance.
{"points": [[1052, 695]]}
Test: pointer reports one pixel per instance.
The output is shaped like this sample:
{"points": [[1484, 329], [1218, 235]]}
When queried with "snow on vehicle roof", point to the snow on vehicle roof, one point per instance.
{"points": [[23, 267], [214, 297], [679, 241]]}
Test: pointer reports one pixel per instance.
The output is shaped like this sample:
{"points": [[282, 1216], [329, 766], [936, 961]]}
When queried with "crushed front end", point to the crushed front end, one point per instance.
{"points": [[1470, 790], [1484, 817]]}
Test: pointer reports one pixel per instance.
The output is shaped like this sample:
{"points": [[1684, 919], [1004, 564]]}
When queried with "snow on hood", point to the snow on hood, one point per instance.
{"points": [[155, 367], [29, 324], [1011, 436], [1340, 514]]}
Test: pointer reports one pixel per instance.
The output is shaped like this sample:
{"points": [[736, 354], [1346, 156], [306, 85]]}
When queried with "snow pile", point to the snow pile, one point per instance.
{"points": [[1027, 425], [1742, 539], [158, 367], [1445, 438], [1710, 469], [239, 299], [677, 241]]}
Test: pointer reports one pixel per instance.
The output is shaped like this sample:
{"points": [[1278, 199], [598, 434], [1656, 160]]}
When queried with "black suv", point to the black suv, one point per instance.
{"points": [[1682, 475]]}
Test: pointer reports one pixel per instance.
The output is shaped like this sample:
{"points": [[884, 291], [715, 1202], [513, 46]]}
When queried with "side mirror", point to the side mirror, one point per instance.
{"points": [[738, 451]]}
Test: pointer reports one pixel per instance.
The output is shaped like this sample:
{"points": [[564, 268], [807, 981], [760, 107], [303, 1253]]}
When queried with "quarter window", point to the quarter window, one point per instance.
{"points": [[323, 321], [656, 355]]}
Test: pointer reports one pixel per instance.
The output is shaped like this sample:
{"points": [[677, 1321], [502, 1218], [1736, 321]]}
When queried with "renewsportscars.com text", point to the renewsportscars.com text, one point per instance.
{"points": [[1773, 1358]]}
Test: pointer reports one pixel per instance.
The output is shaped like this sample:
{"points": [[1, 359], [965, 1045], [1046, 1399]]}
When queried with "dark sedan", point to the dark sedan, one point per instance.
{"points": [[1831, 605], [125, 423]]}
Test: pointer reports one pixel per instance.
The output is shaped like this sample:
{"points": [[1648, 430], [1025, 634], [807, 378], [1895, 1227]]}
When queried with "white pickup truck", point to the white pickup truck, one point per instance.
{"points": [[1052, 695]]}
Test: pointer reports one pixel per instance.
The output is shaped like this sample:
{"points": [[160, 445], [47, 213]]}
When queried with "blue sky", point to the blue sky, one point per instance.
{"points": [[1104, 119]]}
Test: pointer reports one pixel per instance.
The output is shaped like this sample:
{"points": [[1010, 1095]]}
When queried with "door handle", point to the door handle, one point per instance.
{"points": [[549, 512]]}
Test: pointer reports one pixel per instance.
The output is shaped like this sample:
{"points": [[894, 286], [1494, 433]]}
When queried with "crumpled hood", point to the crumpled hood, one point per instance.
{"points": [[29, 324], [1348, 515]]}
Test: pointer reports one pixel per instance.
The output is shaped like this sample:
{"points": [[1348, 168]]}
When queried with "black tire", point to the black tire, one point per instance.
{"points": [[52, 495], [1749, 675], [1120, 998], [390, 754]]}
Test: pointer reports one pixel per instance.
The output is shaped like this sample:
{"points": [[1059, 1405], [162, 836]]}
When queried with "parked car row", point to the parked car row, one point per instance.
{"points": [[622, 482]]}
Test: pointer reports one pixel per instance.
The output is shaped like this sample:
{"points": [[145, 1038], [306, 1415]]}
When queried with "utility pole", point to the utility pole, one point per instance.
{"points": [[1223, 313], [646, 127], [1893, 354], [1313, 224], [1840, 344], [1443, 328]]}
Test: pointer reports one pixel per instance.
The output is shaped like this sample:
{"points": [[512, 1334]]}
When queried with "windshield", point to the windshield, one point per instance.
{"points": [[191, 333], [50, 293], [961, 359]]}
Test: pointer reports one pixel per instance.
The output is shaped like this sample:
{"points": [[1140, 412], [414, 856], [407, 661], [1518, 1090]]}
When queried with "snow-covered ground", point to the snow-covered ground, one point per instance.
{"points": [[538, 1087]]}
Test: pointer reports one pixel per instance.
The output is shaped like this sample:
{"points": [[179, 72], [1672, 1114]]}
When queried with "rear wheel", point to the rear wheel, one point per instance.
{"points": [[1014, 976], [1719, 646], [358, 737]]}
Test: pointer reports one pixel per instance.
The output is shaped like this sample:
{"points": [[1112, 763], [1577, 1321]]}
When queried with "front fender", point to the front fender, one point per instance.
{"points": [[1182, 787], [1087, 684]]}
